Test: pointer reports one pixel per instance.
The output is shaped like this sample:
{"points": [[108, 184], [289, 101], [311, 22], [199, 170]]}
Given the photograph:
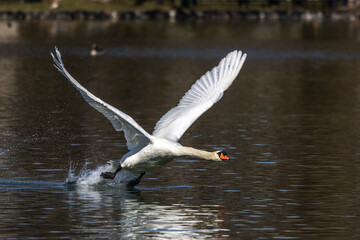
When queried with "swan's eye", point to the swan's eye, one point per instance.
{"points": [[223, 156]]}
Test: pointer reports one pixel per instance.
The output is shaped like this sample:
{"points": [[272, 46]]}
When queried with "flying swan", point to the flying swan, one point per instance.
{"points": [[148, 152]]}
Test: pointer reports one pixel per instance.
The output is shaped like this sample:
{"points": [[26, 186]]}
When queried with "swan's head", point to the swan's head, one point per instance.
{"points": [[222, 156]]}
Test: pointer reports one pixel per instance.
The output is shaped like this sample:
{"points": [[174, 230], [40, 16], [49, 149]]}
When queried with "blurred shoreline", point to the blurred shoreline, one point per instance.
{"points": [[179, 14]]}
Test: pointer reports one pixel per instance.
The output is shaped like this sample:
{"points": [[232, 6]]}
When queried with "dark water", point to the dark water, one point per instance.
{"points": [[290, 122]]}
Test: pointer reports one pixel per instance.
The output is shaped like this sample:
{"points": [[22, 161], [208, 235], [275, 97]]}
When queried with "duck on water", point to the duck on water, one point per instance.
{"points": [[150, 151]]}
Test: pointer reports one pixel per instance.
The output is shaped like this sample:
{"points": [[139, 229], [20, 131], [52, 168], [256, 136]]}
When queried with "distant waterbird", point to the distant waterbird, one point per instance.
{"points": [[96, 50], [151, 151]]}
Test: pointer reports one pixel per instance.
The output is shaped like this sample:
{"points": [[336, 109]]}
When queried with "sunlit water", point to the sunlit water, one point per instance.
{"points": [[290, 123]]}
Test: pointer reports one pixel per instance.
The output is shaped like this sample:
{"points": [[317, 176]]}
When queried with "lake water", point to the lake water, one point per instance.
{"points": [[290, 123]]}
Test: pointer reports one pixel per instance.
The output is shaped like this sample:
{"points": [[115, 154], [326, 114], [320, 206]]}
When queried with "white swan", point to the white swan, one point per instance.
{"points": [[148, 152]]}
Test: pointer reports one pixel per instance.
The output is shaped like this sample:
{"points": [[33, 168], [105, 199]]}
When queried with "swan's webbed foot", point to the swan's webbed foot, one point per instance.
{"points": [[135, 181], [110, 175]]}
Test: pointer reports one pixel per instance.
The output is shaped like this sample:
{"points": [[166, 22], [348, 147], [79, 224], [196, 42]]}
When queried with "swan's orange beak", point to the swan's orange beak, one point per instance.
{"points": [[224, 157]]}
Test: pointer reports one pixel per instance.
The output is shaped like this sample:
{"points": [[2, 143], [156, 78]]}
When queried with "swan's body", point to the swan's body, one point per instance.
{"points": [[148, 152], [159, 152]]}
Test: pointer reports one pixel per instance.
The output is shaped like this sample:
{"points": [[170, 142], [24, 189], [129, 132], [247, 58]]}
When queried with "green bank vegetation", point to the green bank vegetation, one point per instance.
{"points": [[77, 5], [122, 5]]}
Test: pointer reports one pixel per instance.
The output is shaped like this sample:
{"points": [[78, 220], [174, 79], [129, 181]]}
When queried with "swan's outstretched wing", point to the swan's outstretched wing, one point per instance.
{"points": [[135, 135], [202, 95]]}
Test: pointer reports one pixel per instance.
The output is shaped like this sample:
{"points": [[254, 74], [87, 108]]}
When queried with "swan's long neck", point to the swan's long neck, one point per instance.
{"points": [[192, 152]]}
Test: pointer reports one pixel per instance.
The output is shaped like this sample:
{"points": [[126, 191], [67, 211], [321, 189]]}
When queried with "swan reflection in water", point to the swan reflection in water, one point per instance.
{"points": [[124, 213]]}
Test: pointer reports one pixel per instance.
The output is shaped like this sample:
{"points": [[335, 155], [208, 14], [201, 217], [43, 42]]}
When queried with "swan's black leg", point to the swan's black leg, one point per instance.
{"points": [[111, 175], [135, 181]]}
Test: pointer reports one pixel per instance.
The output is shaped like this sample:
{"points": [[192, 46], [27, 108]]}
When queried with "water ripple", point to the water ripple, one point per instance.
{"points": [[191, 53]]}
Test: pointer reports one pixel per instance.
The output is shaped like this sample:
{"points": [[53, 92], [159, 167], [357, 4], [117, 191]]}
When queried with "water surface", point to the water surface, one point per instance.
{"points": [[289, 122]]}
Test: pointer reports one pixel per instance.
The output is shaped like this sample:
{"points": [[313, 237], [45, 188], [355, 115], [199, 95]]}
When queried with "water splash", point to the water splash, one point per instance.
{"points": [[88, 177], [71, 175]]}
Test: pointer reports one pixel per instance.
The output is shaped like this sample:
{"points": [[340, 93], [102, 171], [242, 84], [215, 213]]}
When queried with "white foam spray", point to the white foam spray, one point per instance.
{"points": [[88, 177]]}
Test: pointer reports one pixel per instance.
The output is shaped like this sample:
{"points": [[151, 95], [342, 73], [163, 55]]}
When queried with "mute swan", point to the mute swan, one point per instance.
{"points": [[148, 152]]}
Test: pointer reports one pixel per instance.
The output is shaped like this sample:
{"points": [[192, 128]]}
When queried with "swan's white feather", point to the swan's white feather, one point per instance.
{"points": [[204, 93], [135, 135]]}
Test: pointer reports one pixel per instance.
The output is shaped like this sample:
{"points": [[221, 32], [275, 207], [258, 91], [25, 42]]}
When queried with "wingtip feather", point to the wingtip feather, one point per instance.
{"points": [[57, 59]]}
